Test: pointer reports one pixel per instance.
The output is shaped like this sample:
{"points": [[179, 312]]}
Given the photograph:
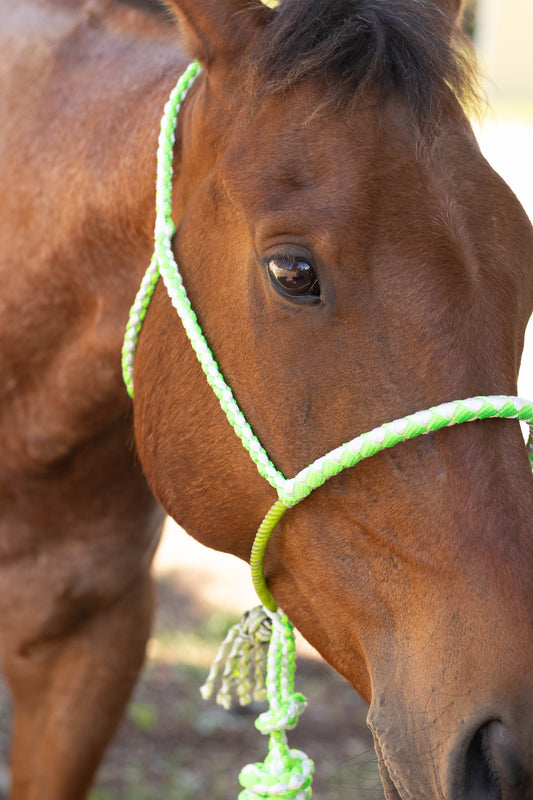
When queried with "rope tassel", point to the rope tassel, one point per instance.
{"points": [[258, 657], [241, 661]]}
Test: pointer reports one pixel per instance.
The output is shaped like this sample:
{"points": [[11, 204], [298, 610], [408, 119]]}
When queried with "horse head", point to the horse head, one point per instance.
{"points": [[352, 258]]}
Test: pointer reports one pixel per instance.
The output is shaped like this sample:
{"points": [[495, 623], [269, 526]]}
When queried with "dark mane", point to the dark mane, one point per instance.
{"points": [[410, 46]]}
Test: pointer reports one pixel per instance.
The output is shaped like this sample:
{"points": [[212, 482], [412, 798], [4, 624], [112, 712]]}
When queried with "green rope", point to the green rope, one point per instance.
{"points": [[393, 433], [263, 642], [369, 444], [163, 206], [257, 556], [285, 774]]}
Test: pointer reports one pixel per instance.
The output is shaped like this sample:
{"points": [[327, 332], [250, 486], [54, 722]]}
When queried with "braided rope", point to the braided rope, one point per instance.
{"points": [[246, 651], [286, 774], [367, 445], [257, 660], [164, 263], [163, 218], [392, 433]]}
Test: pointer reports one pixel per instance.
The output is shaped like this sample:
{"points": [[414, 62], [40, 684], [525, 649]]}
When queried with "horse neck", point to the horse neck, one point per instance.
{"points": [[80, 152]]}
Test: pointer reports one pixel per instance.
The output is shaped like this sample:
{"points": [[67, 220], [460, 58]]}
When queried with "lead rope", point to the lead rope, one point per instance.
{"points": [[257, 658]]}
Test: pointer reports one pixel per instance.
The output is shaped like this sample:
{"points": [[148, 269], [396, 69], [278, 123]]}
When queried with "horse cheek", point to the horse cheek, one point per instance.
{"points": [[196, 466]]}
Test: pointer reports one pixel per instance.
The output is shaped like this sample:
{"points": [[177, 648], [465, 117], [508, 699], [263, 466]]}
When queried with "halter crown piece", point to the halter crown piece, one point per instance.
{"points": [[257, 658]]}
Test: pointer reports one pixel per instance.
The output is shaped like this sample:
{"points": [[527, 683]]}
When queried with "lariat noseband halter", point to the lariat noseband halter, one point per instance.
{"points": [[263, 643]]}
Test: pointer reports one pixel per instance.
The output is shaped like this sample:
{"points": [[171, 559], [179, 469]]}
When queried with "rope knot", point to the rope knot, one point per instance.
{"points": [[282, 715], [285, 774], [261, 649]]}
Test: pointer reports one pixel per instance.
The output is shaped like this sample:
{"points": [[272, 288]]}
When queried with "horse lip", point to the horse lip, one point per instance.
{"points": [[391, 792], [390, 788]]}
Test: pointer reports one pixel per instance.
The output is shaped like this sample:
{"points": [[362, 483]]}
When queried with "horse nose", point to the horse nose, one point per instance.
{"points": [[494, 768]]}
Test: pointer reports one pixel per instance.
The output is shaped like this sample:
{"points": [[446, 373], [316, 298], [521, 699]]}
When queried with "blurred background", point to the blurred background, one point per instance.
{"points": [[172, 745], [501, 31]]}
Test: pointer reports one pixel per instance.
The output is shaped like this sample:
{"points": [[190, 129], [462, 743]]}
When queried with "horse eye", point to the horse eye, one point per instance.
{"points": [[293, 277]]}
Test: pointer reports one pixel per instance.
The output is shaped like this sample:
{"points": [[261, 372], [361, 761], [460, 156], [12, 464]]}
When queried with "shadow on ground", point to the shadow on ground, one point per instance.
{"points": [[174, 746]]}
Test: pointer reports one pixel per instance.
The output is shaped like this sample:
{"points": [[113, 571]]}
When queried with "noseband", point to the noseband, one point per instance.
{"points": [[286, 766]]}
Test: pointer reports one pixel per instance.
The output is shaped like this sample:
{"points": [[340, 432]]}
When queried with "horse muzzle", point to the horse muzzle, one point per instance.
{"points": [[494, 761]]}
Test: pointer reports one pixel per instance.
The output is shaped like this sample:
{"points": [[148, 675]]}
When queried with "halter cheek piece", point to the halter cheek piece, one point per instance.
{"points": [[265, 636]]}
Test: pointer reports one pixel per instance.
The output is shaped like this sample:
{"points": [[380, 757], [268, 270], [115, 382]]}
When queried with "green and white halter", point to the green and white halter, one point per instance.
{"points": [[261, 649]]}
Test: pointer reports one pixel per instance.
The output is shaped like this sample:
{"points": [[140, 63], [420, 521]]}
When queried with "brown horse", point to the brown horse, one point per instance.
{"points": [[352, 258]]}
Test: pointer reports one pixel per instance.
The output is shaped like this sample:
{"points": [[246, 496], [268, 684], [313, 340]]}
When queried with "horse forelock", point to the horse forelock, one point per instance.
{"points": [[412, 47]]}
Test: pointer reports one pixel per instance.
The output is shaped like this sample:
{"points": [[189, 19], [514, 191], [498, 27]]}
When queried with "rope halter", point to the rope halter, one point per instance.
{"points": [[261, 649]]}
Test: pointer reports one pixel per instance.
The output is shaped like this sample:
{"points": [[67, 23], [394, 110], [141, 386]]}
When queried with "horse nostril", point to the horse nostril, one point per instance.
{"points": [[514, 779], [481, 780], [493, 770]]}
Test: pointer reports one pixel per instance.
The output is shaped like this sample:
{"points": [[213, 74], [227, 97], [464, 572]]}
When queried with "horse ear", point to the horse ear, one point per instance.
{"points": [[218, 31]]}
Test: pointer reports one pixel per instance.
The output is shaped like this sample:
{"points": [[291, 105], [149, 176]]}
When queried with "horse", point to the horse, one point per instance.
{"points": [[352, 258]]}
